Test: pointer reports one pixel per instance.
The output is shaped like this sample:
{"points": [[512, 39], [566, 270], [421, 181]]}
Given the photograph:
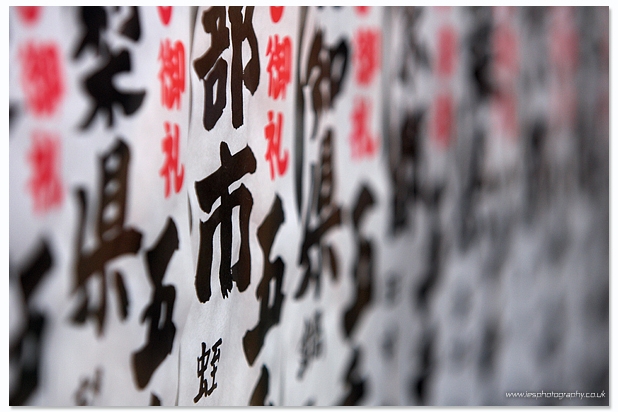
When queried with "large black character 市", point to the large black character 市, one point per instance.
{"points": [[208, 190], [101, 83], [212, 68], [113, 239], [26, 350], [273, 271], [161, 330], [328, 215]]}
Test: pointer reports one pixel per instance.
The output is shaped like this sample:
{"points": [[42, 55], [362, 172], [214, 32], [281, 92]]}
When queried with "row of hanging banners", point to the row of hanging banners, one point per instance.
{"points": [[308, 205]]}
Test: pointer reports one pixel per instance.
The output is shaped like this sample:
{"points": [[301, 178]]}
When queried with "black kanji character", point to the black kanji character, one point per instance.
{"points": [[535, 168], [94, 21], [419, 383], [311, 343], [212, 68], [26, 350], [479, 43], [393, 284], [326, 82], [404, 169], [154, 400], [89, 389], [208, 190], [202, 367], [249, 75], [329, 216], [472, 177], [389, 343], [430, 277], [114, 240], [15, 114], [161, 330], [325, 73], [132, 27], [273, 271], [414, 55], [100, 84], [260, 392], [363, 268], [354, 382]]}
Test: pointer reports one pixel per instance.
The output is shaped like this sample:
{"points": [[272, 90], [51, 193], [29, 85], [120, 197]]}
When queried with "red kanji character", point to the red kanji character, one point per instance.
{"points": [[504, 106], [505, 50], [506, 68], [362, 10], [29, 14], [42, 77], [272, 132], [275, 13], [447, 47], [172, 73], [366, 55], [165, 14], [279, 65], [362, 142], [564, 58], [45, 184], [443, 119], [169, 171]]}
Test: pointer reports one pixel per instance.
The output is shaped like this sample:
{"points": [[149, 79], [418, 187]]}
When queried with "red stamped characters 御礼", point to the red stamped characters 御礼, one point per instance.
{"points": [[45, 184], [41, 77]]}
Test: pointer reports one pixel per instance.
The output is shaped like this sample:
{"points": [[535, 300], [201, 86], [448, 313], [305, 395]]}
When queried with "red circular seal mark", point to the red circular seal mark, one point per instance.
{"points": [[29, 14], [275, 13], [165, 14]]}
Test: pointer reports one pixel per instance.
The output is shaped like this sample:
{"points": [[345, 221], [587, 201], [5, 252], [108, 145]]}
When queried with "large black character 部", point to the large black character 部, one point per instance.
{"points": [[25, 350], [160, 338], [363, 268], [100, 84], [273, 271], [114, 240], [212, 68], [328, 214], [208, 190]]}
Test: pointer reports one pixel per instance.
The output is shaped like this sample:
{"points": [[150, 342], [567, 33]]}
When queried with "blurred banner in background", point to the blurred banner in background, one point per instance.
{"points": [[309, 206]]}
